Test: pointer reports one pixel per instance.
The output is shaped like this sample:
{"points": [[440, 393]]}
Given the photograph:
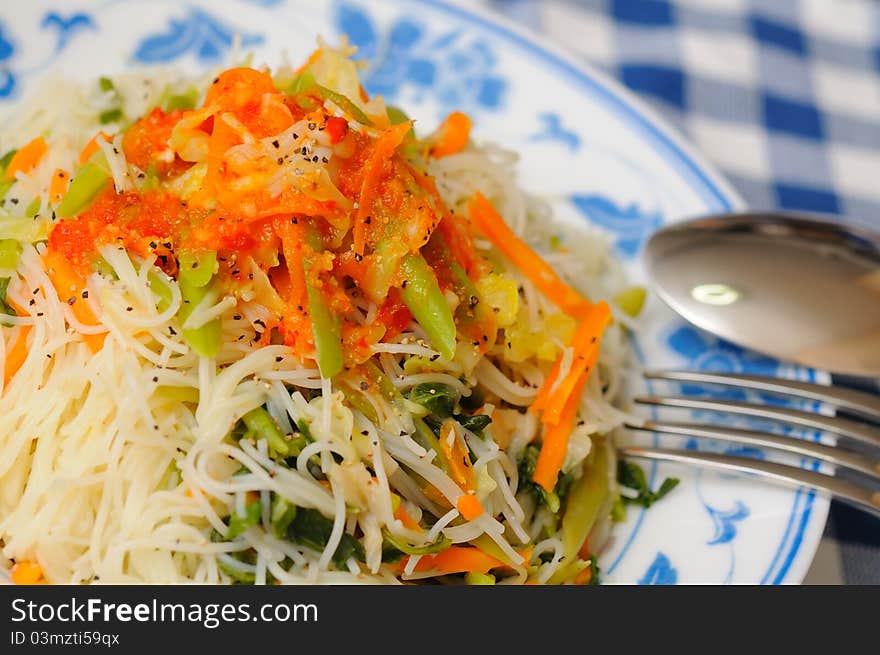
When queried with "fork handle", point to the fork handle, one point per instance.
{"points": [[843, 397], [858, 496]]}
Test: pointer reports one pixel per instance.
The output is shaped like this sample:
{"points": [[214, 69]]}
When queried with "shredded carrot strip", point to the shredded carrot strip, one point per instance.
{"points": [[469, 506], [383, 149], [555, 441], [584, 577], [451, 136], [311, 60], [488, 221], [69, 284], [16, 355], [408, 521], [92, 147], [27, 157], [27, 572], [585, 344], [461, 468], [459, 559], [58, 185]]}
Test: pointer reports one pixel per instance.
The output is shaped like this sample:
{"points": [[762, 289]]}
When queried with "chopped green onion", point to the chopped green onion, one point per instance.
{"points": [[423, 297], [5, 159], [106, 84]]}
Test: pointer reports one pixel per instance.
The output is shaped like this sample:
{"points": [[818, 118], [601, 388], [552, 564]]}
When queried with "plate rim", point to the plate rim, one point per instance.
{"points": [[795, 552]]}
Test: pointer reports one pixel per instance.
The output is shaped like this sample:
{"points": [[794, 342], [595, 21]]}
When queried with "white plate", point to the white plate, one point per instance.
{"points": [[585, 143]]}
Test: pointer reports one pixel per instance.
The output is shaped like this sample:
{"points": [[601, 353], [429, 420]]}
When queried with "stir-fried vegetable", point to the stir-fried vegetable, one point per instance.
{"points": [[428, 304], [408, 346]]}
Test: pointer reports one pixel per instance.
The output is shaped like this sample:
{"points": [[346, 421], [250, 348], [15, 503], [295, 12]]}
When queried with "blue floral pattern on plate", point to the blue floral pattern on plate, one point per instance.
{"points": [[458, 71], [552, 129], [7, 77], [67, 27], [629, 224], [660, 572], [199, 33]]}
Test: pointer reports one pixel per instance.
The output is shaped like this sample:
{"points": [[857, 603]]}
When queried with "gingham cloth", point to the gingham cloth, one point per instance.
{"points": [[782, 95]]}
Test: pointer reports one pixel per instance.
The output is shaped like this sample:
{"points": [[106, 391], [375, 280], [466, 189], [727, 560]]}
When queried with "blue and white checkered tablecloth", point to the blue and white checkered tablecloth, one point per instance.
{"points": [[782, 95]]}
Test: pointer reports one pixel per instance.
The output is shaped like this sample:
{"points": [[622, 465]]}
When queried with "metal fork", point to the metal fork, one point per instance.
{"points": [[857, 450]]}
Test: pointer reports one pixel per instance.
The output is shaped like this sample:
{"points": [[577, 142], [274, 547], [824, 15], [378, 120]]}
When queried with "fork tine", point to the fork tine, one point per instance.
{"points": [[857, 402], [857, 495], [855, 430], [833, 455]]}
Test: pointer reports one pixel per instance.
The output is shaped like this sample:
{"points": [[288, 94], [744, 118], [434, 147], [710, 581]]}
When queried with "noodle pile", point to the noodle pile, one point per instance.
{"points": [[128, 455]]}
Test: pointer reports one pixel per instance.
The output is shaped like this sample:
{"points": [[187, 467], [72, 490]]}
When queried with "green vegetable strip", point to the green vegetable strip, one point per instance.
{"points": [[195, 287], [200, 268], [283, 513], [5, 185], [344, 103], [4, 308], [631, 300], [359, 402], [426, 438], [442, 543], [326, 327], [185, 101], [423, 297], [33, 208], [305, 83], [160, 287], [473, 578], [585, 498], [238, 524], [110, 116], [84, 187], [10, 249], [263, 426]]}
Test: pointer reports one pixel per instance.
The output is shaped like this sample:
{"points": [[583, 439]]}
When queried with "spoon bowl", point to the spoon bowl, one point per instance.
{"points": [[797, 287]]}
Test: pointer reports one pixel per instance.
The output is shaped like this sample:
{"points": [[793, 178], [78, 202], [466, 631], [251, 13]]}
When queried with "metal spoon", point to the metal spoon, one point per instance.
{"points": [[796, 287]]}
